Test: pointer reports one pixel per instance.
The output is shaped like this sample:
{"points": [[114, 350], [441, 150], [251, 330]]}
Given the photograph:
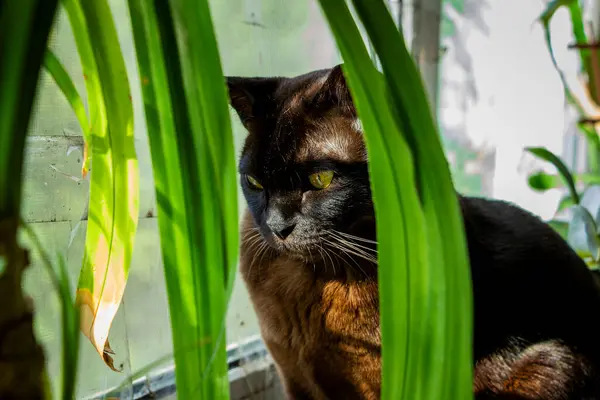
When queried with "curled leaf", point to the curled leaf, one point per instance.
{"points": [[564, 172]]}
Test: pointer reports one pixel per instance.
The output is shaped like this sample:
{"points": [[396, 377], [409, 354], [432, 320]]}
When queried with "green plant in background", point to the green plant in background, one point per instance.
{"points": [[582, 231], [584, 97], [582, 203], [425, 293], [24, 31]]}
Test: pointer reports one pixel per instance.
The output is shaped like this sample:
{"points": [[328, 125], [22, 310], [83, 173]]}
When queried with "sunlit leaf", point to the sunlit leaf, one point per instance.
{"points": [[114, 183], [66, 85], [425, 291], [564, 172], [196, 182]]}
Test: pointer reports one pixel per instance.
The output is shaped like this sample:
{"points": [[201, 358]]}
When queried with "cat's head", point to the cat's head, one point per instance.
{"points": [[303, 168]]}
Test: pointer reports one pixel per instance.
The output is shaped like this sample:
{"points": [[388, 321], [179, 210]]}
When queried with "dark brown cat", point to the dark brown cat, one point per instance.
{"points": [[308, 258]]}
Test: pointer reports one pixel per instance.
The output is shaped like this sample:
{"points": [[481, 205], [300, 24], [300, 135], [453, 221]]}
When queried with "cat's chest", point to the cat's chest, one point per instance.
{"points": [[308, 315], [323, 334]]}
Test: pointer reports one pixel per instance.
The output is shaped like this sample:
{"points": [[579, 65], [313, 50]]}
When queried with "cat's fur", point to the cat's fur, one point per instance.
{"points": [[536, 334]]}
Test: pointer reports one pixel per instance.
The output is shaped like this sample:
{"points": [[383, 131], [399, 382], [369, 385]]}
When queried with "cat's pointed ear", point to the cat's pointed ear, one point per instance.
{"points": [[335, 93], [250, 97]]}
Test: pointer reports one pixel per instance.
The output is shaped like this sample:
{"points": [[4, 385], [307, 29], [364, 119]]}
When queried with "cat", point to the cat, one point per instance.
{"points": [[308, 259]]}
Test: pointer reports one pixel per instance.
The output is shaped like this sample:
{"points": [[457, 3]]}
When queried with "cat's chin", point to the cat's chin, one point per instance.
{"points": [[307, 252]]}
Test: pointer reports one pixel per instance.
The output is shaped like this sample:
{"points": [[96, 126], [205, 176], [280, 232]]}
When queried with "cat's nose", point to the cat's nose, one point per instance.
{"points": [[280, 226], [282, 231]]}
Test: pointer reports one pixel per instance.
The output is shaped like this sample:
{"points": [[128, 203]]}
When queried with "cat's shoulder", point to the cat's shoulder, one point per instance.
{"points": [[496, 218]]}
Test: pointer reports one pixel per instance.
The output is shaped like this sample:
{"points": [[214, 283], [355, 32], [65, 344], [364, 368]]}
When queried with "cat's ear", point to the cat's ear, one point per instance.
{"points": [[250, 97], [335, 93]]}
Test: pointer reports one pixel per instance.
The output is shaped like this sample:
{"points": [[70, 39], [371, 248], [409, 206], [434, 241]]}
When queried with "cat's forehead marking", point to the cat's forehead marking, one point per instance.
{"points": [[297, 131], [334, 138], [295, 104]]}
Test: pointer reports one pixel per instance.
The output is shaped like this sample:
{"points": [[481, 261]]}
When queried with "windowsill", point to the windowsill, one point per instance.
{"points": [[251, 372]]}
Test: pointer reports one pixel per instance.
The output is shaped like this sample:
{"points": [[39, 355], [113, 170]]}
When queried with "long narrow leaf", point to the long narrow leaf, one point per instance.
{"points": [[426, 337], [564, 172], [404, 219], [69, 315], [114, 184], [194, 170], [449, 285], [66, 85], [24, 30]]}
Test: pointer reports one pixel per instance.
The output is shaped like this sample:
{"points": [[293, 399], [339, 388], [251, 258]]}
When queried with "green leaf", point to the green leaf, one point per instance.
{"points": [[582, 234], [69, 314], [114, 183], [586, 55], [24, 27], [551, 8], [565, 202], [579, 33], [550, 157], [66, 85], [542, 181], [545, 19], [24, 30], [591, 202], [70, 331], [425, 292], [195, 177], [561, 227]]}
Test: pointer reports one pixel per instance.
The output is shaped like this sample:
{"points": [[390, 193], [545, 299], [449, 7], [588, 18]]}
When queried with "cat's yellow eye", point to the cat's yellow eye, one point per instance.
{"points": [[321, 180], [254, 184]]}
